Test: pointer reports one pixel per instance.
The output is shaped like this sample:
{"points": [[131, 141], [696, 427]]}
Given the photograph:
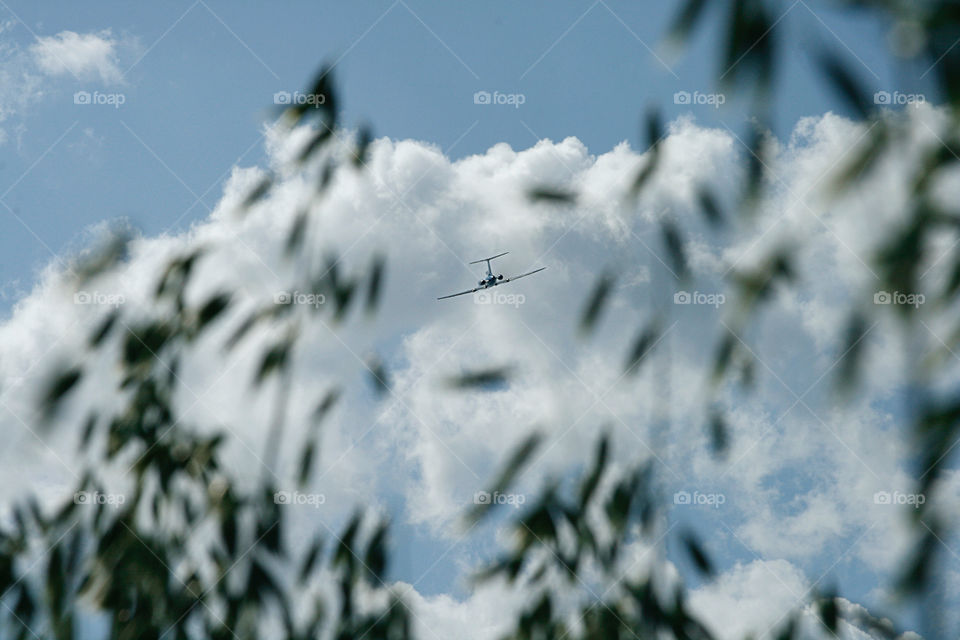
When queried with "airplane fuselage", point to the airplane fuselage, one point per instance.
{"points": [[489, 280]]}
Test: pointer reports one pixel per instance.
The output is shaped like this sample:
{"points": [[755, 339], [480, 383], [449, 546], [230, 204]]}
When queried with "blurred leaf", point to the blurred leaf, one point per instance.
{"points": [[363, 146], [144, 343], [551, 195], [103, 329], [756, 165], [915, 575], [592, 480], [310, 559], [863, 159], [654, 128], [326, 405], [750, 45], [174, 278], [379, 377], [789, 630], [318, 138], [375, 559], [344, 555], [846, 85], [709, 206], [306, 464], [484, 379], [113, 250], [375, 283], [273, 359], [724, 355], [249, 323], [87, 432], [686, 19], [699, 557], [212, 308], [296, 234], [507, 475], [852, 355], [58, 387], [596, 302], [673, 242], [642, 345], [719, 440], [829, 612], [258, 192]]}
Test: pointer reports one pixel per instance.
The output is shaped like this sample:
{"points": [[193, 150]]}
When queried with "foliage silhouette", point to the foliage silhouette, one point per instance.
{"points": [[135, 563]]}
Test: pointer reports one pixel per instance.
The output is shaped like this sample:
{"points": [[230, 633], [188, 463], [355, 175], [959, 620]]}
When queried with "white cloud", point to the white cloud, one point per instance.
{"points": [[82, 55], [800, 475]]}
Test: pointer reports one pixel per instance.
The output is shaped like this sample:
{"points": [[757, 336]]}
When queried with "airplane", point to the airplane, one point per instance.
{"points": [[491, 280]]}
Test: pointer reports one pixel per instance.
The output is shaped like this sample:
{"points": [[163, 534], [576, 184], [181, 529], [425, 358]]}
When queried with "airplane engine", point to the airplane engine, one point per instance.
{"points": [[500, 277]]}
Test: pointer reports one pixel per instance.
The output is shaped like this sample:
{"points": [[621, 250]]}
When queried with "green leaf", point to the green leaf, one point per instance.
{"points": [[592, 480], [673, 241], [325, 406], [375, 559], [829, 613], [58, 387], [642, 345], [551, 195], [310, 559], [655, 134], [103, 330], [306, 463], [363, 146], [273, 359], [686, 19], [483, 379], [596, 302], [709, 206], [719, 440], [845, 84], [258, 192], [212, 308], [378, 375], [375, 283], [296, 234], [697, 554], [508, 473]]}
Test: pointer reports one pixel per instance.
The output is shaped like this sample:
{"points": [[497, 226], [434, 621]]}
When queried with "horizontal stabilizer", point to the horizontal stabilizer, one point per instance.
{"points": [[490, 258]]}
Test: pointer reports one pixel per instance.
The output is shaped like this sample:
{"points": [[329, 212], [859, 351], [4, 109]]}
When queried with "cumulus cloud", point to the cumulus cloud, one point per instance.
{"points": [[82, 55], [799, 482], [31, 73]]}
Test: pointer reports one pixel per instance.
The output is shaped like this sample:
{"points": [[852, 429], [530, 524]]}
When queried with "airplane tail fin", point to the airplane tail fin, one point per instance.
{"points": [[490, 258]]}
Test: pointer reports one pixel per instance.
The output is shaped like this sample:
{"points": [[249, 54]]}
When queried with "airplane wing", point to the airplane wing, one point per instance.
{"points": [[462, 293], [522, 275]]}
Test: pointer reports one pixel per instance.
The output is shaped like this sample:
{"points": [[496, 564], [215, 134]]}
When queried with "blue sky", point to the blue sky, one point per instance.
{"points": [[197, 82], [199, 79]]}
